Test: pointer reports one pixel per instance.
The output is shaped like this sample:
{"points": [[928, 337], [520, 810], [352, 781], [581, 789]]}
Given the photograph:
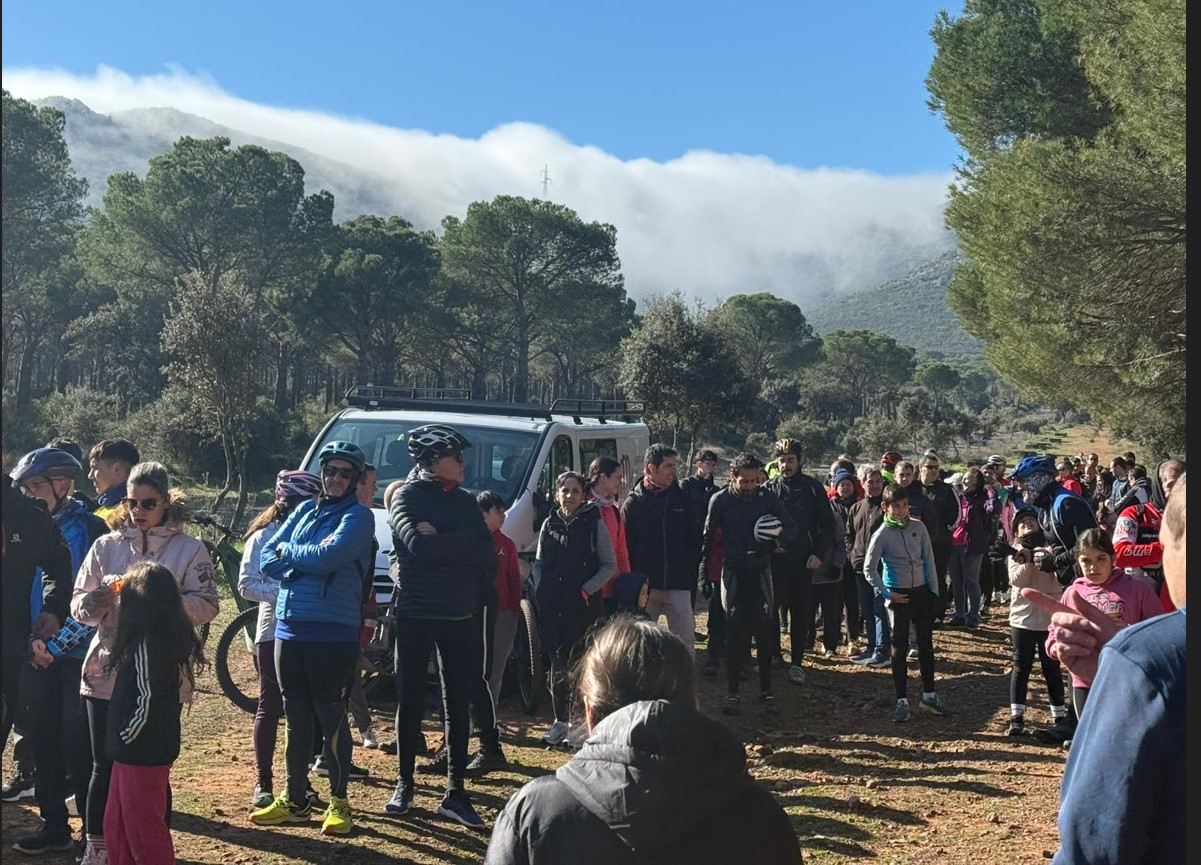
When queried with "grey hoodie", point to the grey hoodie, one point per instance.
{"points": [[656, 782]]}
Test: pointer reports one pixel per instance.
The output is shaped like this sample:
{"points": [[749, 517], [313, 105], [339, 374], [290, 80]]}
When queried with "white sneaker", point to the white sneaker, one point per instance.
{"points": [[796, 675], [72, 808], [369, 740], [94, 856], [1004, 597], [557, 733]]}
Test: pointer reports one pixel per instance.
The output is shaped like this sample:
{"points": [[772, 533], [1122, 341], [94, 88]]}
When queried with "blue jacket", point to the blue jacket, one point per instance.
{"points": [[327, 548], [80, 528], [900, 559]]}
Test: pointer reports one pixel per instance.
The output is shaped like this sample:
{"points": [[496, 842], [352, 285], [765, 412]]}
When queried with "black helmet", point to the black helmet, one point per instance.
{"points": [[787, 446], [434, 441], [46, 462]]}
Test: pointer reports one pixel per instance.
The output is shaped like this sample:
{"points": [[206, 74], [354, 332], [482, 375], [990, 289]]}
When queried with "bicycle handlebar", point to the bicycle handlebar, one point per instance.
{"points": [[202, 519]]}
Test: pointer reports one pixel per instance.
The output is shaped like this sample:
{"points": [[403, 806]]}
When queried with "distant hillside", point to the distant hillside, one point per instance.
{"points": [[912, 310]]}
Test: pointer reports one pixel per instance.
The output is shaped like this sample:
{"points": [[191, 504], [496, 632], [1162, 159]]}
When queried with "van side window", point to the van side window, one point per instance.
{"points": [[590, 449]]}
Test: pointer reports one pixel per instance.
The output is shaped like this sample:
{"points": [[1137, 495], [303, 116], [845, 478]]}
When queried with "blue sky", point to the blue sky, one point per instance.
{"points": [[804, 83]]}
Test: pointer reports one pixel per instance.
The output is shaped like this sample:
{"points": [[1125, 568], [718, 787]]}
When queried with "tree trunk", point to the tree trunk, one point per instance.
{"points": [[240, 507], [281, 378], [227, 448], [25, 373], [521, 378]]}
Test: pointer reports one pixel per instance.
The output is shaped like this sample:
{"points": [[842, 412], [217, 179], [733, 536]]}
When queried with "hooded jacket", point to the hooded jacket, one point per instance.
{"points": [[659, 536], [655, 783], [31, 540], [805, 499], [93, 603]]}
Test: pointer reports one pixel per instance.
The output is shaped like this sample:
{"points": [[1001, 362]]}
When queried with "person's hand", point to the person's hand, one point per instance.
{"points": [[1045, 560], [426, 529], [1081, 630], [897, 598], [1023, 556], [279, 550], [45, 625], [41, 655], [813, 563]]}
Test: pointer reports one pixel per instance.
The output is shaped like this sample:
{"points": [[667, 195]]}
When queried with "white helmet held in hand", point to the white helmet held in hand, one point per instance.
{"points": [[768, 528]]}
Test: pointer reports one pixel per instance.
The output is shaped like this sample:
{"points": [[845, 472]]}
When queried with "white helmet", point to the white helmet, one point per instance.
{"points": [[768, 528]]}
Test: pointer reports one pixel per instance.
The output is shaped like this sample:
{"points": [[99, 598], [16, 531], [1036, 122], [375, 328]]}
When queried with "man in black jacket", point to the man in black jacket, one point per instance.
{"points": [[659, 538], [942, 513], [795, 563], [31, 540], [444, 561], [698, 489]]}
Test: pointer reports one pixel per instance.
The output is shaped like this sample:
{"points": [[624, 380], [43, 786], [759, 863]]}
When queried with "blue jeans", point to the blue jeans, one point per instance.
{"points": [[875, 619], [965, 584]]}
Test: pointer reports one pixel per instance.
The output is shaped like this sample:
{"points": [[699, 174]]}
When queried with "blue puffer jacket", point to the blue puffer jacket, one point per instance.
{"points": [[327, 548], [80, 528]]}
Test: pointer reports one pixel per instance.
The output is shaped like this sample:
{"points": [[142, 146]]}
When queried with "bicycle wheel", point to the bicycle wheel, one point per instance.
{"points": [[237, 672], [527, 653]]}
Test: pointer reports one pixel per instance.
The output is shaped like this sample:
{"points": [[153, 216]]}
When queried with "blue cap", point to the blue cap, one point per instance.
{"points": [[1033, 465]]}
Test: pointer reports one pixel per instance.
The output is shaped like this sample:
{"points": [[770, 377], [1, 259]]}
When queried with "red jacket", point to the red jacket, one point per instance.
{"points": [[1136, 537], [508, 573], [617, 534]]}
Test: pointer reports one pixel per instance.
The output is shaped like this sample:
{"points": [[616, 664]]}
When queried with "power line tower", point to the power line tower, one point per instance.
{"points": [[545, 182]]}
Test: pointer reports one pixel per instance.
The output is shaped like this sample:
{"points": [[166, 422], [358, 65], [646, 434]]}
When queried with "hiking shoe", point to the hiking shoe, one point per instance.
{"points": [[934, 706], [556, 733], [1017, 726], [93, 855], [487, 760], [731, 705], [71, 805], [20, 787], [767, 698], [355, 773], [369, 739], [337, 817], [878, 659], [282, 810], [44, 841], [457, 806], [828, 654], [262, 796], [901, 712], [956, 622], [401, 801], [972, 624], [796, 676], [435, 765], [315, 801], [1061, 731], [912, 656], [862, 657]]}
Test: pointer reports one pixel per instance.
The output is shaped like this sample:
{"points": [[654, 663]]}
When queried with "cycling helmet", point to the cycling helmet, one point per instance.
{"points": [[433, 441], [348, 451], [1033, 465], [995, 460], [889, 459], [297, 483], [787, 446], [46, 462], [768, 528]]}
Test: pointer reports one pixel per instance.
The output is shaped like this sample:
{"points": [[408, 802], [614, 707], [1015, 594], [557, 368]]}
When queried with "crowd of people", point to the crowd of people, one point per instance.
{"points": [[102, 598]]}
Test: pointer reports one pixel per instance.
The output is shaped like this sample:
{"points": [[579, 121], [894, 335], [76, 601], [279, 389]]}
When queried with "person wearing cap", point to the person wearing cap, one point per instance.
{"points": [[319, 556], [444, 566], [109, 464], [58, 740], [1067, 476], [887, 463]]}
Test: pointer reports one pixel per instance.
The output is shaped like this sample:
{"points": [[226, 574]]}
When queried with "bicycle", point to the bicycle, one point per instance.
{"points": [[237, 672]]}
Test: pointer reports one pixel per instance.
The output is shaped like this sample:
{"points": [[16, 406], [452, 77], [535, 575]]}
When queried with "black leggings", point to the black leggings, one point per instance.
{"points": [[483, 707], [1025, 644], [829, 596], [749, 620], [921, 611], [460, 665], [315, 679], [62, 744], [850, 601], [102, 765]]}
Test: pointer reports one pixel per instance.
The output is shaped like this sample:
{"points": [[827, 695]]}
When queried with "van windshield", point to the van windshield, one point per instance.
{"points": [[498, 459]]}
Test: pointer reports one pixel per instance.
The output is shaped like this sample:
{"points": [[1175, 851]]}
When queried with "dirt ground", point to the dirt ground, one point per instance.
{"points": [[857, 786]]}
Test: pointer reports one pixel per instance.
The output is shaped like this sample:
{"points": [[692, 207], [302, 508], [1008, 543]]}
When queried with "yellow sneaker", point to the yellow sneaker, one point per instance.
{"points": [[337, 817], [281, 810]]}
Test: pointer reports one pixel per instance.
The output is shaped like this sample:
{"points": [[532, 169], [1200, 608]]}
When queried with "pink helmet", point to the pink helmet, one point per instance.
{"points": [[290, 483]]}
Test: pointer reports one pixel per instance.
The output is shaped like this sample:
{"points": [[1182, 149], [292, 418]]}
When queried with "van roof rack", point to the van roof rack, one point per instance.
{"points": [[459, 400]]}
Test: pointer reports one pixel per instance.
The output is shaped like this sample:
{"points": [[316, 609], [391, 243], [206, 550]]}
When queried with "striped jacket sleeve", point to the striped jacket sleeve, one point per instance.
{"points": [[141, 710]]}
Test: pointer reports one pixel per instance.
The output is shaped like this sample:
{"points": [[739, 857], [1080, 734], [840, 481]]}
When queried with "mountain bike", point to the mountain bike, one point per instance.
{"points": [[233, 660]]}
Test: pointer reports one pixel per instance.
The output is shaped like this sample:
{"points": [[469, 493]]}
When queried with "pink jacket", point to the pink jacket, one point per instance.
{"points": [[93, 603]]}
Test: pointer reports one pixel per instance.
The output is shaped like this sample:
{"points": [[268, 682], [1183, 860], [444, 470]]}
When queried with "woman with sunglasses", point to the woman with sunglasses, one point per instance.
{"points": [[153, 530], [575, 559]]}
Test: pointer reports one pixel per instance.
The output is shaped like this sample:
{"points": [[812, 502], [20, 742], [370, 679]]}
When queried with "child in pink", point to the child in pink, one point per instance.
{"points": [[1123, 598]]}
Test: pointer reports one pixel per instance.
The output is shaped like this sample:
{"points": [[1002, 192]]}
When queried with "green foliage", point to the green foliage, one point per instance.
{"points": [[866, 367], [80, 413], [1074, 221], [816, 438]]}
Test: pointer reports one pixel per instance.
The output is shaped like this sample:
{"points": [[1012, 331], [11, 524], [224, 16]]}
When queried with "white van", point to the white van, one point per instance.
{"points": [[517, 449]]}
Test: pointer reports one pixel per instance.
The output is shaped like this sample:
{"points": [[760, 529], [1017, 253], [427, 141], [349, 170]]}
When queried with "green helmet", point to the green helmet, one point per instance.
{"points": [[339, 450]]}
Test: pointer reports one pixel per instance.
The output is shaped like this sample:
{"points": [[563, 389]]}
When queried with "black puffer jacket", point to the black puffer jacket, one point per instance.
{"points": [[443, 575], [697, 491], [806, 501], [736, 515], [659, 536], [655, 783], [941, 511], [567, 559], [31, 539]]}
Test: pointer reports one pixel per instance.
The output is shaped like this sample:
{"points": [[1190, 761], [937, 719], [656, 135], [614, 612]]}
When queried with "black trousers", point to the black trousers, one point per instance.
{"points": [[793, 586], [62, 745], [749, 619], [830, 597], [920, 612], [460, 663], [1025, 644], [483, 705], [942, 563]]}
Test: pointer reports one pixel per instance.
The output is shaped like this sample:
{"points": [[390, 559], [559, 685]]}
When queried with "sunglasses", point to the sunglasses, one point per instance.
{"points": [[336, 472], [144, 504]]}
